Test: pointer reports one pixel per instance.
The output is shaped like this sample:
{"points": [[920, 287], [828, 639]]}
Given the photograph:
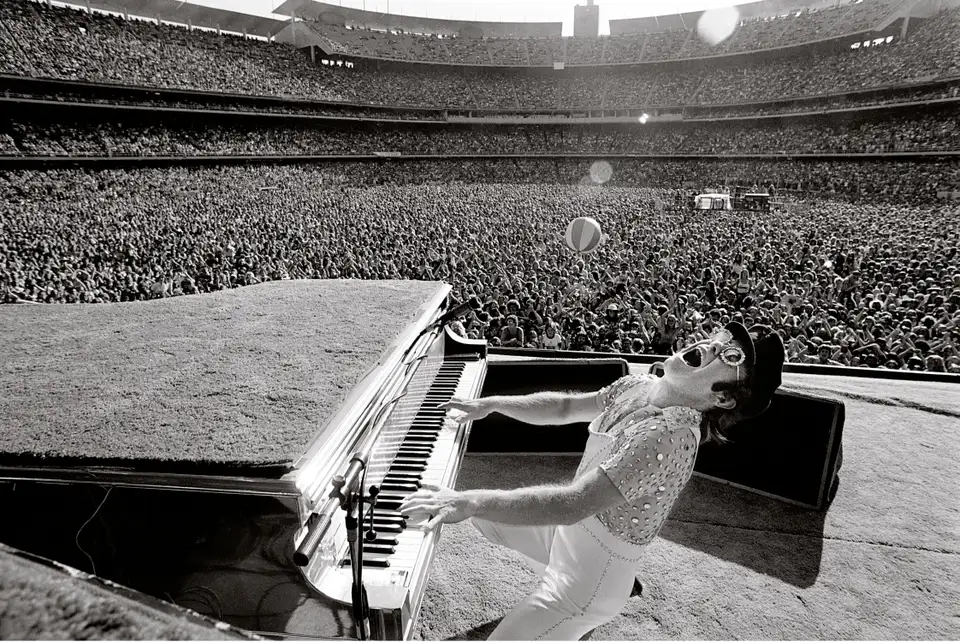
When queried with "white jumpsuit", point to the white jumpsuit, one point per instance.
{"points": [[587, 569]]}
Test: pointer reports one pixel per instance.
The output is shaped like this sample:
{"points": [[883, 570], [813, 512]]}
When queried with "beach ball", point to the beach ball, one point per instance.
{"points": [[583, 235]]}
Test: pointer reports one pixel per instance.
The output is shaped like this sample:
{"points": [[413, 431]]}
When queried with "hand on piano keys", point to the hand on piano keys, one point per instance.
{"points": [[436, 505], [467, 409]]}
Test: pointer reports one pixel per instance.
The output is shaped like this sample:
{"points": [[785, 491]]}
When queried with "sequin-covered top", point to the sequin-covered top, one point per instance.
{"points": [[648, 452]]}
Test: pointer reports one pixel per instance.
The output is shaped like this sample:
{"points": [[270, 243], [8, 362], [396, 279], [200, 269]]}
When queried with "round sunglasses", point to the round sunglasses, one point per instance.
{"points": [[732, 355]]}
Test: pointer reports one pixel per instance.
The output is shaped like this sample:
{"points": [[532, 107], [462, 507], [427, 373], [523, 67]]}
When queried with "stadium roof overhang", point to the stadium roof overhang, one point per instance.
{"points": [[751, 11], [346, 16], [187, 13]]}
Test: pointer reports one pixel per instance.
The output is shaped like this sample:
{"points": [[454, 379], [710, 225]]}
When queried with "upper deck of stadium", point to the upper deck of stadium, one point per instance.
{"points": [[355, 33]]}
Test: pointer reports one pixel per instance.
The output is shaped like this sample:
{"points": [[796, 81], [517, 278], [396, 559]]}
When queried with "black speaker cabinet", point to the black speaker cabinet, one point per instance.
{"points": [[792, 452]]}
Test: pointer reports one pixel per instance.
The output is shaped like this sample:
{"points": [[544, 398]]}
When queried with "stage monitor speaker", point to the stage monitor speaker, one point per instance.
{"points": [[792, 452], [499, 434]]}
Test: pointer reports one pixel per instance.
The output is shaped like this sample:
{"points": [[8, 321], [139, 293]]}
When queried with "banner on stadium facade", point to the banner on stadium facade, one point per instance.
{"points": [[387, 154], [558, 66]]}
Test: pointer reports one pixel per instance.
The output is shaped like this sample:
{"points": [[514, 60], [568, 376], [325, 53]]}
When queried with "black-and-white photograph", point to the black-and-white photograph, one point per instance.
{"points": [[446, 320]]}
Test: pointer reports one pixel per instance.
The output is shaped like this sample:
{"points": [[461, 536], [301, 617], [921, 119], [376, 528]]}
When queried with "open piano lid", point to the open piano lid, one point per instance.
{"points": [[225, 391], [221, 544]]}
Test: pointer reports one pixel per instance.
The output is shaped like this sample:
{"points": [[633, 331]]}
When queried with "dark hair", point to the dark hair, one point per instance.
{"points": [[716, 423]]}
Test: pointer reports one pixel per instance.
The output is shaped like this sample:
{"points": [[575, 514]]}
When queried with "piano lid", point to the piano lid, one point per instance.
{"points": [[223, 391]]}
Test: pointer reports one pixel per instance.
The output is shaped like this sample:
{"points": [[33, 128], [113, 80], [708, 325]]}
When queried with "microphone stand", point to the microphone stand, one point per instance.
{"points": [[352, 502]]}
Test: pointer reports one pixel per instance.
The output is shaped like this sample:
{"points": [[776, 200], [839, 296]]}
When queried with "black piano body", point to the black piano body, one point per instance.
{"points": [[229, 544]]}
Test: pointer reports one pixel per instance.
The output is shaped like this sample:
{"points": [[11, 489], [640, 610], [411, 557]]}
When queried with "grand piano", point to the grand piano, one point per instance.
{"points": [[258, 544]]}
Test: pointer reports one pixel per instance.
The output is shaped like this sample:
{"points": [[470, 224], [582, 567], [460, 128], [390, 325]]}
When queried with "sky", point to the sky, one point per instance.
{"points": [[496, 10]]}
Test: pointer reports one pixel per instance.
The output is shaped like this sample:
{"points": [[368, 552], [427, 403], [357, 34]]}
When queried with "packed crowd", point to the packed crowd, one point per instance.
{"points": [[208, 103], [948, 91], [933, 93], [42, 41], [796, 28], [855, 284], [937, 131]]}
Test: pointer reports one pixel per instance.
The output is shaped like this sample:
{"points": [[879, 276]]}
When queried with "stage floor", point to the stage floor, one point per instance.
{"points": [[882, 563]]}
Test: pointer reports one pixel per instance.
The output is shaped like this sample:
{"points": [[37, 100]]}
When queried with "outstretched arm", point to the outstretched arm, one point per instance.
{"points": [[587, 495], [541, 408]]}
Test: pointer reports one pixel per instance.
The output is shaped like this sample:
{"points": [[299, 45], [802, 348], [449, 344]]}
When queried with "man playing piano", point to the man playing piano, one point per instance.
{"points": [[586, 539]]}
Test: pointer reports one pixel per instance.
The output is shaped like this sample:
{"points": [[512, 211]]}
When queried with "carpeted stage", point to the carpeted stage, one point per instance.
{"points": [[882, 563]]}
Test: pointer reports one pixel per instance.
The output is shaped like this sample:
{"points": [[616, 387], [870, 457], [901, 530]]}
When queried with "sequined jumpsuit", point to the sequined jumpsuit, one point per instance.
{"points": [[587, 569]]}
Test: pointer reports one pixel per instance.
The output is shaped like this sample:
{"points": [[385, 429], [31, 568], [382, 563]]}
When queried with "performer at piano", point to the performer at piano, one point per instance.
{"points": [[586, 539]]}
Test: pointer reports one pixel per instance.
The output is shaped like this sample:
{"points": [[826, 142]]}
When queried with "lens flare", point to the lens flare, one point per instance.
{"points": [[716, 25]]}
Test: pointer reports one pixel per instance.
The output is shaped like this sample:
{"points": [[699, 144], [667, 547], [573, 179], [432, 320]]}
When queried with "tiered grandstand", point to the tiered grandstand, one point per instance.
{"points": [[854, 99]]}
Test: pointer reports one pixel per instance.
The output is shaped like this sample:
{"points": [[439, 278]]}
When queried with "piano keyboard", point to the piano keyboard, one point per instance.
{"points": [[423, 455], [416, 444]]}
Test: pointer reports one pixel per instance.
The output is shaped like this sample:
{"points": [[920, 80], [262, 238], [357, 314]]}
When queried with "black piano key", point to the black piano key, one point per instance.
{"points": [[374, 563], [414, 461], [384, 541], [402, 477], [389, 497], [392, 518], [409, 467], [401, 488], [411, 461], [378, 549]]}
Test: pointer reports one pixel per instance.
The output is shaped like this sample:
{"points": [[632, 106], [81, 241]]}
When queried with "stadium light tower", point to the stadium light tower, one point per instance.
{"points": [[586, 20]]}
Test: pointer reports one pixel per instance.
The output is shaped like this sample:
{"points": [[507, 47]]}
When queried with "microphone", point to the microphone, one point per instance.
{"points": [[473, 303]]}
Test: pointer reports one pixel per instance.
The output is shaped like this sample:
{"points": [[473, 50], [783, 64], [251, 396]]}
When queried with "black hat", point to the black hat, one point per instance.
{"points": [[764, 362]]}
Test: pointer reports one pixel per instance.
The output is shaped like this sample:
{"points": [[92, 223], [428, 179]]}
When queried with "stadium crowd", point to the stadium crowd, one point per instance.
{"points": [[933, 93], [933, 131], [849, 282], [942, 92], [51, 42], [793, 28]]}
